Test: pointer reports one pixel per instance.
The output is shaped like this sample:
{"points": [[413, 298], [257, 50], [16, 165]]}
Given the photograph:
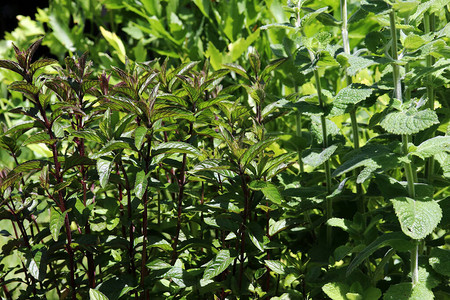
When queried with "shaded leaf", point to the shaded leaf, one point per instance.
{"points": [[439, 259], [77, 160], [24, 87], [381, 241], [37, 138], [254, 150], [109, 147], [11, 65], [43, 62], [373, 157]]}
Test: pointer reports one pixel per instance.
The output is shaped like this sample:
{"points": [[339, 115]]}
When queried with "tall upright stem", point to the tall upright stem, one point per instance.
{"points": [[298, 129], [409, 173], [428, 22], [329, 203], [353, 119]]}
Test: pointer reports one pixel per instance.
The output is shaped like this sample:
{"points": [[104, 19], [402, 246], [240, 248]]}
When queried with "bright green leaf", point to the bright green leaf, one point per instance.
{"points": [[175, 147], [433, 146], [336, 290], [275, 266], [219, 264], [115, 42], [406, 291], [56, 222], [140, 185], [409, 122], [96, 295], [418, 218], [315, 157]]}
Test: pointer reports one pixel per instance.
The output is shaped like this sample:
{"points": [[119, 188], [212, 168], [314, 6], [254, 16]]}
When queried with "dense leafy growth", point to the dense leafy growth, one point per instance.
{"points": [[226, 150]]}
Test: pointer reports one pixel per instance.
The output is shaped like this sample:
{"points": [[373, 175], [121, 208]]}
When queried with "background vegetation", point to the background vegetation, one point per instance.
{"points": [[226, 149]]}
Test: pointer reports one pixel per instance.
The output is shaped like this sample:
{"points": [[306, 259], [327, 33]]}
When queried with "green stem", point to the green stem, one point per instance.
{"points": [[354, 121], [329, 203], [428, 22], [298, 123], [415, 264], [396, 68], [409, 173]]}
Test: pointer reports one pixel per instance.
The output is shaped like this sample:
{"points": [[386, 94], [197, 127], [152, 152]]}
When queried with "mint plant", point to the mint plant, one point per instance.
{"points": [[313, 164]]}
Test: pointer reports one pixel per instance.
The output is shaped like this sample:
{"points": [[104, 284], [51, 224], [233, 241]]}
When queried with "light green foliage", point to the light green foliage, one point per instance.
{"points": [[409, 122], [218, 264], [404, 291], [418, 218], [348, 97]]}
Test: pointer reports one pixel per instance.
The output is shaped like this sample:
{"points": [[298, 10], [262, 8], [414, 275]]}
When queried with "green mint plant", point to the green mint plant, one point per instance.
{"points": [[123, 179]]}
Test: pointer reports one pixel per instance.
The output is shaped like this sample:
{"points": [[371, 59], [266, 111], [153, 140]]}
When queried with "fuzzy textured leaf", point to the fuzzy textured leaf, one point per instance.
{"points": [[418, 218], [356, 63], [433, 146], [409, 122], [374, 158], [406, 291], [349, 96]]}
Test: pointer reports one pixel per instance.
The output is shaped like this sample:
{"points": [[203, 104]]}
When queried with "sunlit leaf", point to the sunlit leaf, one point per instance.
{"points": [[96, 295], [406, 291], [418, 218], [175, 147], [219, 264], [140, 185], [315, 157], [56, 222], [275, 266], [433, 146]]}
